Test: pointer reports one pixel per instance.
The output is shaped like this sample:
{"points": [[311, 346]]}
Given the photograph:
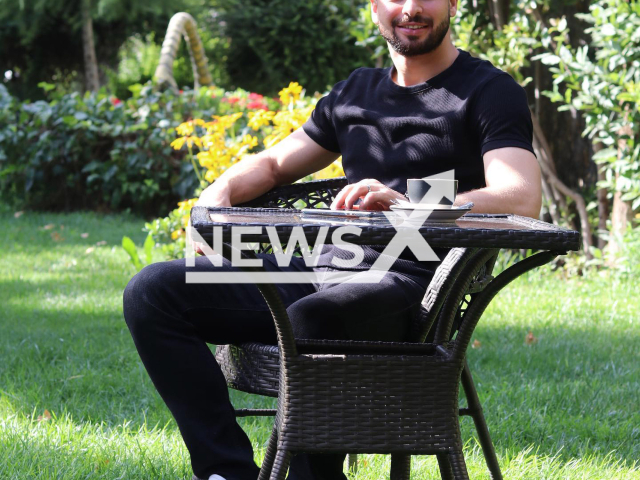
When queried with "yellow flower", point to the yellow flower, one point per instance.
{"points": [[250, 141], [210, 176], [178, 143], [290, 93], [206, 159], [187, 128], [187, 204], [332, 171], [213, 142], [260, 118], [176, 234]]}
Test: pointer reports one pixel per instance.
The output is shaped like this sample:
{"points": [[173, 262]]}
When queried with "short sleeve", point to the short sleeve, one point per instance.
{"points": [[320, 126], [502, 117]]}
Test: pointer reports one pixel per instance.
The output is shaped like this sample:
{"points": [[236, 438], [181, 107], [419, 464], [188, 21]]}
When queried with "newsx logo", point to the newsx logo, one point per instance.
{"points": [[407, 235]]}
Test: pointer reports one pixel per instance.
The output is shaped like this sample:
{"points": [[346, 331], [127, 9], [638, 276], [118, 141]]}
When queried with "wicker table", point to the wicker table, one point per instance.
{"points": [[381, 397]]}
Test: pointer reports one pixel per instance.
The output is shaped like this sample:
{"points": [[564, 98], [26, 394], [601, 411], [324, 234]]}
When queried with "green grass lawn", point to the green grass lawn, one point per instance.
{"points": [[565, 407]]}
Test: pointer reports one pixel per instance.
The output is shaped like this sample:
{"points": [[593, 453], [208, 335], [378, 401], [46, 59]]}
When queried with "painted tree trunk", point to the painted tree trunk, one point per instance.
{"points": [[182, 25]]}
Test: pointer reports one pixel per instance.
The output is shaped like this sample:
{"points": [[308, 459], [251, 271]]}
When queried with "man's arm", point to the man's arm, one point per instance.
{"points": [[513, 183], [291, 159]]}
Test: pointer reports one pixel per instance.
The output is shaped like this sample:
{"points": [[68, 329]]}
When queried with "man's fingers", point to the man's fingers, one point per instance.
{"points": [[338, 202], [354, 195], [349, 195], [376, 201]]}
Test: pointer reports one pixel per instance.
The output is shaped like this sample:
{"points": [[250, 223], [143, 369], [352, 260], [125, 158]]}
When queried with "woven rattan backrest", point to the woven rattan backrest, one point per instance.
{"points": [[314, 194]]}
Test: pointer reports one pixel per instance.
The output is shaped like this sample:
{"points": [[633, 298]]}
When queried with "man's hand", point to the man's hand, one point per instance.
{"points": [[213, 197], [373, 194]]}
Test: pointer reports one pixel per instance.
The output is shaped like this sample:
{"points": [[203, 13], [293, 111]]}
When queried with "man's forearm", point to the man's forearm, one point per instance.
{"points": [[293, 158], [524, 202], [242, 182], [513, 185]]}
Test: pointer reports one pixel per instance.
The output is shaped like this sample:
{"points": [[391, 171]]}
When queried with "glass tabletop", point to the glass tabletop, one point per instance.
{"points": [[478, 230]]}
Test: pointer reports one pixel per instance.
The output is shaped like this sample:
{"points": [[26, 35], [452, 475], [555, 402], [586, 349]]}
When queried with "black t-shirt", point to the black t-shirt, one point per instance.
{"points": [[391, 133]]}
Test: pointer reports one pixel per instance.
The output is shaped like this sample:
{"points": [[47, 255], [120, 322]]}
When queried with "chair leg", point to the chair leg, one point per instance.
{"points": [[400, 467], [458, 466], [475, 411], [352, 462], [446, 472], [280, 465], [270, 455]]}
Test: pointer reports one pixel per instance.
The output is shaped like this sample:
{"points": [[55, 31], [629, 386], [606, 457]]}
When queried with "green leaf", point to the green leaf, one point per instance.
{"points": [[148, 248], [47, 87], [69, 120], [604, 155], [130, 248], [550, 60]]}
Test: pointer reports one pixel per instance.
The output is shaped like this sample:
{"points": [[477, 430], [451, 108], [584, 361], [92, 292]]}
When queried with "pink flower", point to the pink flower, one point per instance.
{"points": [[115, 101], [257, 105], [181, 92], [255, 97]]}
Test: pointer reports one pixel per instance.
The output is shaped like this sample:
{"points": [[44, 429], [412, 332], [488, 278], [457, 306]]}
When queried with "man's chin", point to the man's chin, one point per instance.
{"points": [[414, 48]]}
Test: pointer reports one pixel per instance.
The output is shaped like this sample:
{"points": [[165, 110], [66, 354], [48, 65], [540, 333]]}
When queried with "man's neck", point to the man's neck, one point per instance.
{"points": [[421, 68]]}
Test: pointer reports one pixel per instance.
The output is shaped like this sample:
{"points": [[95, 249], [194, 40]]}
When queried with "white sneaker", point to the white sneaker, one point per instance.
{"points": [[216, 477]]}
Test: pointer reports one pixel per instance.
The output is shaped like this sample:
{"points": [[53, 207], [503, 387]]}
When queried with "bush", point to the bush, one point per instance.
{"points": [[97, 151]]}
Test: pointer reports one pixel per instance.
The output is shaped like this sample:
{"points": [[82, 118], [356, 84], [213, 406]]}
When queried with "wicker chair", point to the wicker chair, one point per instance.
{"points": [[374, 397]]}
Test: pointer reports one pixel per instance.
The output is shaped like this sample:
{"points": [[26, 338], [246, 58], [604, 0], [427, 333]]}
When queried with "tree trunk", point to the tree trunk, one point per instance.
{"points": [[550, 201], [621, 217], [499, 11], [545, 159], [92, 82], [622, 213], [603, 203]]}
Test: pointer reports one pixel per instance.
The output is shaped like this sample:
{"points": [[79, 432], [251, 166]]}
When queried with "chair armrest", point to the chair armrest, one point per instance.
{"points": [[311, 193]]}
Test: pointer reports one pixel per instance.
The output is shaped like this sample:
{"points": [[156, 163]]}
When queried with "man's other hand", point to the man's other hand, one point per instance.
{"points": [[372, 194]]}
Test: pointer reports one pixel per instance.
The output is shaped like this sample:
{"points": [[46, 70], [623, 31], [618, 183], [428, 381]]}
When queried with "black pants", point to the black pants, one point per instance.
{"points": [[171, 323]]}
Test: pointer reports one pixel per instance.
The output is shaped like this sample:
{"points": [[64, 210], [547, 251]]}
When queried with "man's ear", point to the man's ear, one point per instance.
{"points": [[374, 11], [453, 8]]}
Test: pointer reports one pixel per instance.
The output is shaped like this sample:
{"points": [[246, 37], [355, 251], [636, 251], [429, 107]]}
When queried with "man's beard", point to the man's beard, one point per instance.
{"points": [[412, 48]]}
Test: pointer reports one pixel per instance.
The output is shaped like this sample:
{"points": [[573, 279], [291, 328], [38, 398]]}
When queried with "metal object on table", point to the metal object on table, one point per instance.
{"points": [[310, 377]]}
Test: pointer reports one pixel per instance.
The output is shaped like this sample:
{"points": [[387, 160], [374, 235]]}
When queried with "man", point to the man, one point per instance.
{"points": [[436, 109]]}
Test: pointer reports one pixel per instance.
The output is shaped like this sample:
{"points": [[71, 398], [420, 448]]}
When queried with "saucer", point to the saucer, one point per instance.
{"points": [[404, 205], [436, 215]]}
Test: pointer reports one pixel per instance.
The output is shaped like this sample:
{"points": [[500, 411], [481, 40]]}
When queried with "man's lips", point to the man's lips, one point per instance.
{"points": [[412, 28]]}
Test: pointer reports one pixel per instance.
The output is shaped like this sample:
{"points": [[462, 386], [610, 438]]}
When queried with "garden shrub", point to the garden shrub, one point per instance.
{"points": [[99, 152]]}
